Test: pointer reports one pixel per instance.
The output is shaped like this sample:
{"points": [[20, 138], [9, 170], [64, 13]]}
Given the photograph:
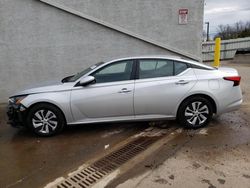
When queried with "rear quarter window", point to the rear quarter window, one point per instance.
{"points": [[179, 67]]}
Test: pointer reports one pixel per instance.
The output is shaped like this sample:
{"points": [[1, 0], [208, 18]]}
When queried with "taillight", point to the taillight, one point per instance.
{"points": [[235, 79]]}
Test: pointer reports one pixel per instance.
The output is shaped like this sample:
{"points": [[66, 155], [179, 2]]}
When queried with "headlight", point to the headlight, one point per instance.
{"points": [[18, 99]]}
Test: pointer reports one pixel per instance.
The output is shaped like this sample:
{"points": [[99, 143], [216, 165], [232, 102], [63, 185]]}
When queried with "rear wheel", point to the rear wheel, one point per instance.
{"points": [[195, 112], [45, 120]]}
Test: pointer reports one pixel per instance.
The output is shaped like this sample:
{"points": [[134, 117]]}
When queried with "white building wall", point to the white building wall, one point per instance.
{"points": [[40, 43]]}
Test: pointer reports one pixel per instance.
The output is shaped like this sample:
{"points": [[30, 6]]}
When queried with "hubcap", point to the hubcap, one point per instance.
{"points": [[44, 121], [196, 113]]}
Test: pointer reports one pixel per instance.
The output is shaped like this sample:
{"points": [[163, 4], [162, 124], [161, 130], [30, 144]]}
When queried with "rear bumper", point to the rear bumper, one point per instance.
{"points": [[232, 107], [16, 115]]}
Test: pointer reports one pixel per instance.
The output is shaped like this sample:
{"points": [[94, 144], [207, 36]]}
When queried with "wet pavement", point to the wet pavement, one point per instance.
{"points": [[215, 156], [31, 161]]}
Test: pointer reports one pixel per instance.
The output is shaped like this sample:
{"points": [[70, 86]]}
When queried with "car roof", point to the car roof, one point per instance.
{"points": [[169, 57]]}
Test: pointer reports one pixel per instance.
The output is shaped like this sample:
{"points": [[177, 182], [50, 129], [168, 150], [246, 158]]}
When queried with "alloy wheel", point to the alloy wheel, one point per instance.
{"points": [[196, 113], [44, 121]]}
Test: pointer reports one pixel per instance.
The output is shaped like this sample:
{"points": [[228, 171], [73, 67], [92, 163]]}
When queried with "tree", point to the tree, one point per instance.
{"points": [[238, 30]]}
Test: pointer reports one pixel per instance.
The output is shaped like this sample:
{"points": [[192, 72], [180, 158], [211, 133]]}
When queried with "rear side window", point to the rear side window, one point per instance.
{"points": [[155, 68], [179, 67]]}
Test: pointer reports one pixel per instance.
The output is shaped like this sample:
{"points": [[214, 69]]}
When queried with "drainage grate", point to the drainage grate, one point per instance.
{"points": [[96, 171]]}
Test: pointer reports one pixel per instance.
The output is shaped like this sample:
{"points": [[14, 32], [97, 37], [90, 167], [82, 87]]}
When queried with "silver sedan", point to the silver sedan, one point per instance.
{"points": [[130, 89]]}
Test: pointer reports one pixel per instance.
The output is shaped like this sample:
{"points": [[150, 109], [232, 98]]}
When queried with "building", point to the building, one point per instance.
{"points": [[43, 40]]}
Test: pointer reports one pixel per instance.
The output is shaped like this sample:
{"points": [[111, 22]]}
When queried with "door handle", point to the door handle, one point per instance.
{"points": [[124, 90], [182, 82]]}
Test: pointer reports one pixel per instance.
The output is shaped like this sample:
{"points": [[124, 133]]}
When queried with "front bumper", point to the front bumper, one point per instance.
{"points": [[16, 114]]}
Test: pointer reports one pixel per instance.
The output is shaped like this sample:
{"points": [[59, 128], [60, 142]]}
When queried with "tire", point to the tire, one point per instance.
{"points": [[195, 112], [45, 120]]}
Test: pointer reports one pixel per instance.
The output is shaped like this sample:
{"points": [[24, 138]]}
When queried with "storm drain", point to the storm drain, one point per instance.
{"points": [[99, 169]]}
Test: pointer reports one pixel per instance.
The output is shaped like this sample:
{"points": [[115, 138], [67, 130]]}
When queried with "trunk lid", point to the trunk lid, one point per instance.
{"points": [[228, 71]]}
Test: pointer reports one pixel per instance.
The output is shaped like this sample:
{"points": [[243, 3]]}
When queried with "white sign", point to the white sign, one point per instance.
{"points": [[183, 16]]}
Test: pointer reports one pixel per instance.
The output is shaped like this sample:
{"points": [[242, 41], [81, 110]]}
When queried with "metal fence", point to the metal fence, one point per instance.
{"points": [[228, 48]]}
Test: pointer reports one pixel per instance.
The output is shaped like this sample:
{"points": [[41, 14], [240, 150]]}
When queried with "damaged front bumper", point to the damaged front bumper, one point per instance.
{"points": [[16, 114]]}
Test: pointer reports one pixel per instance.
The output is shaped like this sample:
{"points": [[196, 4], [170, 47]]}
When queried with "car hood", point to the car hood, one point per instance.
{"points": [[48, 88]]}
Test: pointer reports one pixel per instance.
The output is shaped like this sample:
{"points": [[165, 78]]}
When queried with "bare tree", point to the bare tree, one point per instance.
{"points": [[238, 30]]}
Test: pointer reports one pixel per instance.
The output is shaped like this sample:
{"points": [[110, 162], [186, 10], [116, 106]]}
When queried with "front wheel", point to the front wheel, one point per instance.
{"points": [[195, 112], [45, 120]]}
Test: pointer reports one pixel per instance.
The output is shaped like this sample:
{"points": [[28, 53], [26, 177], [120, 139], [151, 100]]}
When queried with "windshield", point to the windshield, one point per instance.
{"points": [[80, 74]]}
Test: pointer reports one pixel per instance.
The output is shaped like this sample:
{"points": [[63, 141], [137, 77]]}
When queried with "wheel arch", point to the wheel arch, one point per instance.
{"points": [[48, 103], [209, 98]]}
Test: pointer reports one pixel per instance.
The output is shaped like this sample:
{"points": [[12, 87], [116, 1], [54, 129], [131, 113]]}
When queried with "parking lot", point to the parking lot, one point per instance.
{"points": [[215, 156]]}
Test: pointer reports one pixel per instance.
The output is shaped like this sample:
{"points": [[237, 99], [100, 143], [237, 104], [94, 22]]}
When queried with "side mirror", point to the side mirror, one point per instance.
{"points": [[86, 81]]}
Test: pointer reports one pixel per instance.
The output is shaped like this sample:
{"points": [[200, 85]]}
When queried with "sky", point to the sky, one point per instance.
{"points": [[225, 12]]}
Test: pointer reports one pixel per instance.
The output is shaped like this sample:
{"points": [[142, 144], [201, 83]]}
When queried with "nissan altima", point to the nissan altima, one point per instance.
{"points": [[130, 89]]}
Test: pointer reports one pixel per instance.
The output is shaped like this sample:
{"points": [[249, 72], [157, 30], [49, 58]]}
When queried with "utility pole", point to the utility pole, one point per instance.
{"points": [[207, 30]]}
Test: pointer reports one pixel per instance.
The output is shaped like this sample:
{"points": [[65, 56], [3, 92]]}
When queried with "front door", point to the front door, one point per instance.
{"points": [[111, 97]]}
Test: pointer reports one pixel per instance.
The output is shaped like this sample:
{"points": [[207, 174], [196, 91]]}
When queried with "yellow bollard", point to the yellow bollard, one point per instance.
{"points": [[217, 52]]}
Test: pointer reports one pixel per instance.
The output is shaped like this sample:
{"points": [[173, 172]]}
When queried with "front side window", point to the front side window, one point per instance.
{"points": [[155, 68], [119, 71], [80, 74]]}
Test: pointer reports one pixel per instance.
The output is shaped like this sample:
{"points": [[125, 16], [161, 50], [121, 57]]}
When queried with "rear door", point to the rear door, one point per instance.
{"points": [[161, 84]]}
